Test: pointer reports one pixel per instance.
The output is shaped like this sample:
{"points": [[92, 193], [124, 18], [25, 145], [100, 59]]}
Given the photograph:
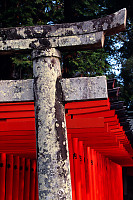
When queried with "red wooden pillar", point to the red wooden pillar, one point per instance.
{"points": [[2, 175], [9, 177], [117, 183], [97, 163], [77, 169], [32, 179], [82, 170], [109, 179], [99, 176], [86, 173], [71, 166], [15, 178], [90, 195], [113, 179], [93, 163], [27, 180], [121, 182], [102, 177], [36, 188], [21, 178], [106, 179]]}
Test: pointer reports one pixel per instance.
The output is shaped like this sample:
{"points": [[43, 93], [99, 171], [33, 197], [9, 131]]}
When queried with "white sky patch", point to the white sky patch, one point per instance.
{"points": [[116, 68], [115, 61]]}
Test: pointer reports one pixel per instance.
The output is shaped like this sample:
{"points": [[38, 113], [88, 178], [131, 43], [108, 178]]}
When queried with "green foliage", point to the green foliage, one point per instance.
{"points": [[28, 13], [127, 77], [22, 67], [124, 54], [87, 63], [84, 10]]}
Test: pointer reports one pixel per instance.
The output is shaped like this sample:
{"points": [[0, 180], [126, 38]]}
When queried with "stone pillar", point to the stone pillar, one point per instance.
{"points": [[52, 147]]}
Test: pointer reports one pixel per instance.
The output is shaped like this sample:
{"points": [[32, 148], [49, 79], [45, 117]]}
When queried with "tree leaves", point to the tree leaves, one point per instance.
{"points": [[86, 63]]}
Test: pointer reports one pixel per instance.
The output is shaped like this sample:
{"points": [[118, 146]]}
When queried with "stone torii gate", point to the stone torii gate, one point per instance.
{"points": [[45, 43]]}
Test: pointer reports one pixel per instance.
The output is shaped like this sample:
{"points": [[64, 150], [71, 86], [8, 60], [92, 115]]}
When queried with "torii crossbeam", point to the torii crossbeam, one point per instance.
{"points": [[79, 35]]}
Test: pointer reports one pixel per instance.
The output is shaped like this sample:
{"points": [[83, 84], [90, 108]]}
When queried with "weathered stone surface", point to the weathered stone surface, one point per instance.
{"points": [[53, 157], [116, 21], [87, 41], [84, 88], [20, 90], [80, 35]]}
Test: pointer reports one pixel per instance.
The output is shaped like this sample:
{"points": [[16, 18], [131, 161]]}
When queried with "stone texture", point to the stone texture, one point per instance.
{"points": [[79, 36], [18, 90], [84, 88], [53, 157], [87, 41], [73, 89]]}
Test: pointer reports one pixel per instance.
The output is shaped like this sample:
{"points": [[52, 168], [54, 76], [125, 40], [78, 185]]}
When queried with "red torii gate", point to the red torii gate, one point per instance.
{"points": [[91, 135]]}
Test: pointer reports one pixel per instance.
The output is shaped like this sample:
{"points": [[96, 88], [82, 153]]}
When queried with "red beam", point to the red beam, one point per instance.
{"points": [[87, 104], [86, 123], [88, 110]]}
